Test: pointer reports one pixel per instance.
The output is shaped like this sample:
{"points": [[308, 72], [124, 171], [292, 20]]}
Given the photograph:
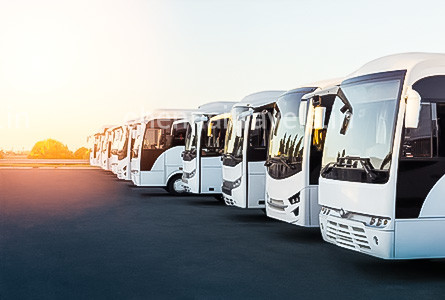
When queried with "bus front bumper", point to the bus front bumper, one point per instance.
{"points": [[356, 236]]}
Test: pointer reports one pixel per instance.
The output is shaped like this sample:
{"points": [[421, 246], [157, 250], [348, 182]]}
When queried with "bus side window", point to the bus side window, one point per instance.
{"points": [[214, 144], [420, 142], [258, 137], [178, 134], [440, 132], [154, 139]]}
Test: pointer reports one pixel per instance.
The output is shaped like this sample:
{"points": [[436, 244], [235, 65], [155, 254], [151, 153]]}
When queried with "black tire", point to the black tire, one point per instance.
{"points": [[171, 186]]}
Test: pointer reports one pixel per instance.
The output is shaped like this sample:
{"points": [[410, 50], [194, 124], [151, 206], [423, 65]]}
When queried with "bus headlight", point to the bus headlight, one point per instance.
{"points": [[378, 222], [295, 198], [237, 183], [325, 210], [186, 175]]}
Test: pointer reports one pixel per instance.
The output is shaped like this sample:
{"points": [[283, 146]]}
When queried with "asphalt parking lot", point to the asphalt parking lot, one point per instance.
{"points": [[80, 234]]}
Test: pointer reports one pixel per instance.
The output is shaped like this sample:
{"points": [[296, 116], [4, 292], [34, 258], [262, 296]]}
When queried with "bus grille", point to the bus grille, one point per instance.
{"points": [[348, 236]]}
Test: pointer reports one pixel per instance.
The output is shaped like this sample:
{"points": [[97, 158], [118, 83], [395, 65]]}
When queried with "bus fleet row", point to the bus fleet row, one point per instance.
{"points": [[361, 157]]}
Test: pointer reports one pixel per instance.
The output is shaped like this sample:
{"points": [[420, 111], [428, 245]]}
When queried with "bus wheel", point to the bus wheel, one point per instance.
{"points": [[175, 186]]}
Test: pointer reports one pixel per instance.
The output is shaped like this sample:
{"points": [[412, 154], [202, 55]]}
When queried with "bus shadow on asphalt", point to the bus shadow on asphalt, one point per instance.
{"points": [[260, 217], [149, 191], [411, 270], [296, 234], [204, 201], [153, 194]]}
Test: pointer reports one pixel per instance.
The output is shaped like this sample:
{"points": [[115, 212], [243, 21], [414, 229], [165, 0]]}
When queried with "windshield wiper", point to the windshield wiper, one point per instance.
{"points": [[369, 168], [351, 162], [280, 160], [328, 168], [386, 160], [230, 156], [365, 162]]}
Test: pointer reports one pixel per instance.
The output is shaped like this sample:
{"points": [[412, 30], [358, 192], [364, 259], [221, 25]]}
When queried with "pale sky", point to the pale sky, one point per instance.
{"points": [[68, 67]]}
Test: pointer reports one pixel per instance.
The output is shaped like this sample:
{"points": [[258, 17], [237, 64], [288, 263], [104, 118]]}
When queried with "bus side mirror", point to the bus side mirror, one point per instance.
{"points": [[319, 116], [302, 113], [245, 114], [200, 119], [239, 128], [253, 121], [412, 111]]}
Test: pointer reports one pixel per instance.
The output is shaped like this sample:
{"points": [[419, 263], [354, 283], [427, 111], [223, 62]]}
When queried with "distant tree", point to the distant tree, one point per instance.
{"points": [[50, 149], [82, 153], [2, 154]]}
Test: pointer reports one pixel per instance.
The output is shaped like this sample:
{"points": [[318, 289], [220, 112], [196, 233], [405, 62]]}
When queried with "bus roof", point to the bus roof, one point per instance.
{"points": [[216, 107], [417, 64], [318, 85], [114, 127], [324, 87], [259, 99], [169, 114]]}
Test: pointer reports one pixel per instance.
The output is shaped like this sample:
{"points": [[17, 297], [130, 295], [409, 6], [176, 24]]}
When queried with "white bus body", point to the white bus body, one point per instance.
{"points": [[96, 149], [105, 150], [245, 151], [124, 153], [107, 147], [119, 135], [201, 158], [156, 160], [93, 142], [382, 184], [295, 152]]}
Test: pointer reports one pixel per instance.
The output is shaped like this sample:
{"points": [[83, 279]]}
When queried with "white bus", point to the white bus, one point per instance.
{"points": [[245, 150], [382, 184], [123, 156], [204, 145], [156, 160], [119, 134], [93, 142], [295, 152], [96, 141], [107, 146]]}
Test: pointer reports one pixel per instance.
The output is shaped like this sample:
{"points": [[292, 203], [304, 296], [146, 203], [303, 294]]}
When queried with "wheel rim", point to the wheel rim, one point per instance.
{"points": [[178, 186]]}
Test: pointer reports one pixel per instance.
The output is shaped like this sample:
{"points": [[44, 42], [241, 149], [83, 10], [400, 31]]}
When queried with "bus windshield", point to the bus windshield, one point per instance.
{"points": [[235, 134], [116, 136], [215, 135], [191, 139], [288, 134], [124, 139], [361, 131], [137, 143]]}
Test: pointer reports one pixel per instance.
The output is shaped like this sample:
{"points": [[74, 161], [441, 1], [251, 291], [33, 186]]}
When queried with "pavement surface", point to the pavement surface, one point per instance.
{"points": [[45, 161], [83, 234]]}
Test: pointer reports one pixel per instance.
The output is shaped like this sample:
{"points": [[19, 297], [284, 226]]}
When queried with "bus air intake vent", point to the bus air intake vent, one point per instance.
{"points": [[277, 204], [347, 236]]}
